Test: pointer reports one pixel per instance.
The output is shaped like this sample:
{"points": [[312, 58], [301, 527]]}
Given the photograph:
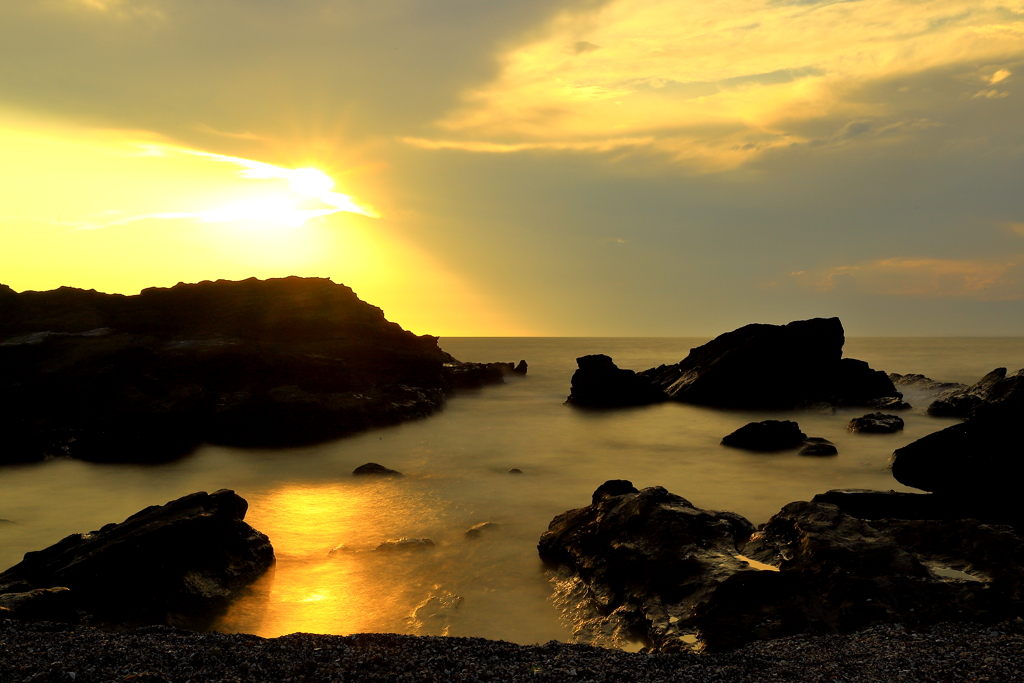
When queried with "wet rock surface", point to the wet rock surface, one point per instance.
{"points": [[175, 564], [599, 383], [876, 423], [648, 563], [147, 378], [997, 389], [777, 367]]}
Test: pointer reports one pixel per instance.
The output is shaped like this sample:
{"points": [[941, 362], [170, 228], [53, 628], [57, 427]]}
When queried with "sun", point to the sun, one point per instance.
{"points": [[310, 182]]}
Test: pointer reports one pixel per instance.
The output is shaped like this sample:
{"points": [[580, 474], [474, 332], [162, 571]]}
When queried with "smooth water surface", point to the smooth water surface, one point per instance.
{"points": [[456, 475]]}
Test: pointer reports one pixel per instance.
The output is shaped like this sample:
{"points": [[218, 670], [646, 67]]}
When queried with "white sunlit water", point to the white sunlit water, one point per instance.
{"points": [[456, 475]]}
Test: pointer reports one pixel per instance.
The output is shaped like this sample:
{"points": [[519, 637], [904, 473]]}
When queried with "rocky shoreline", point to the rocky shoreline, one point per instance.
{"points": [[43, 651]]}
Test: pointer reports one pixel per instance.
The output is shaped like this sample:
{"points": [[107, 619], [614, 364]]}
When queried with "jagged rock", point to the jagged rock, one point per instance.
{"points": [[521, 368], [652, 565], [815, 445], [645, 557], [767, 435], [839, 574], [177, 564], [599, 383], [463, 375], [478, 530], [276, 362], [405, 544], [920, 383], [41, 604], [776, 367], [994, 389], [372, 468], [876, 423]]}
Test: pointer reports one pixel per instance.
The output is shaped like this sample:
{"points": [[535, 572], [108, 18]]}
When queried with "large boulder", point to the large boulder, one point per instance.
{"points": [[644, 560], [776, 367], [274, 362], [996, 389], [876, 423], [647, 564], [177, 564], [599, 383]]}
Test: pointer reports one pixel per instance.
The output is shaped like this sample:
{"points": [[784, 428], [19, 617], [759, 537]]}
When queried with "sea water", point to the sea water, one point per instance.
{"points": [[325, 524]]}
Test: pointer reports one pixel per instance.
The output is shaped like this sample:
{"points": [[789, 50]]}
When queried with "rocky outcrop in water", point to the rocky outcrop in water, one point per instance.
{"points": [[271, 363], [767, 435], [996, 389], [177, 564], [599, 383], [649, 564], [775, 366], [876, 423], [755, 367]]}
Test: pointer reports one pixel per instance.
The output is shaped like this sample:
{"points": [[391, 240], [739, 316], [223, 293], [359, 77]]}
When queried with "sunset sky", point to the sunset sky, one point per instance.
{"points": [[529, 167]]}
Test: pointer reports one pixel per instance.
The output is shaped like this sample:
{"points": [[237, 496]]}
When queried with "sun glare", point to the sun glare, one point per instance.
{"points": [[310, 182]]}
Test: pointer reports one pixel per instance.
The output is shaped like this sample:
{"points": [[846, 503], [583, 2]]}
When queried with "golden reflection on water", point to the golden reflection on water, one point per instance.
{"points": [[352, 590]]}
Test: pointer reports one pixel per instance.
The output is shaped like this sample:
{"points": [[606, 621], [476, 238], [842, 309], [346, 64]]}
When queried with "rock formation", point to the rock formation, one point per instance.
{"points": [[994, 389], [253, 363], [755, 367], [876, 423], [767, 435], [599, 383], [649, 564], [177, 564]]}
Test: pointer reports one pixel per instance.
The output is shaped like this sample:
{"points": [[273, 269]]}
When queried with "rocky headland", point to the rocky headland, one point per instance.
{"points": [[256, 363]]}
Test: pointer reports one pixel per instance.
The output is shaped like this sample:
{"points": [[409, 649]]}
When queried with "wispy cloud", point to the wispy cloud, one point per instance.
{"points": [[679, 75], [993, 279]]}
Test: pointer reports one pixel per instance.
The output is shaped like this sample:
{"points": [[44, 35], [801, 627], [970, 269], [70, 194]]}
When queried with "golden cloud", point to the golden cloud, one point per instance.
{"points": [[1000, 279], [717, 83]]}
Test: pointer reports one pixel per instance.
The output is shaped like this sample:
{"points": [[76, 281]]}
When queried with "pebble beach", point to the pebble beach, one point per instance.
{"points": [[47, 652]]}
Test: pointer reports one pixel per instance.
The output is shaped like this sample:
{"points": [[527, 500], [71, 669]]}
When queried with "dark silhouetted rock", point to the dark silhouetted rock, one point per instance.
{"points": [[876, 423], [41, 604], [147, 378], [599, 383], [768, 435], [645, 559], [521, 368], [405, 544], [612, 487], [870, 504], [978, 459], [477, 530], [372, 468], [475, 375], [776, 367], [818, 446], [177, 564], [515, 470], [994, 389]]}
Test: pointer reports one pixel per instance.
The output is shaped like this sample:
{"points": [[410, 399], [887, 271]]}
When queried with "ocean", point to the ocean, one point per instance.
{"points": [[456, 466]]}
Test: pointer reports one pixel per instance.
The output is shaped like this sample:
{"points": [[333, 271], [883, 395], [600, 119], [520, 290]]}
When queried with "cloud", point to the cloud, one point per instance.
{"points": [[992, 279], [673, 70]]}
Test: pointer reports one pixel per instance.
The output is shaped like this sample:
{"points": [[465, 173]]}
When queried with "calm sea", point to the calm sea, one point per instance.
{"points": [[457, 475]]}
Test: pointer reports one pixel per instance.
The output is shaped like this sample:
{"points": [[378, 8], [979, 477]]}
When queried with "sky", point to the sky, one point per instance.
{"points": [[529, 167]]}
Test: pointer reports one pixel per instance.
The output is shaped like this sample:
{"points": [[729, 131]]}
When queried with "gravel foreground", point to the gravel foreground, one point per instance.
{"points": [[59, 652]]}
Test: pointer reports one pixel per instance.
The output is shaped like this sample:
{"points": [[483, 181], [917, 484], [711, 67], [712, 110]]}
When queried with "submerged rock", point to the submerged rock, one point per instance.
{"points": [[478, 530], [405, 544], [876, 423], [767, 435], [372, 468], [817, 446], [599, 383], [177, 564]]}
